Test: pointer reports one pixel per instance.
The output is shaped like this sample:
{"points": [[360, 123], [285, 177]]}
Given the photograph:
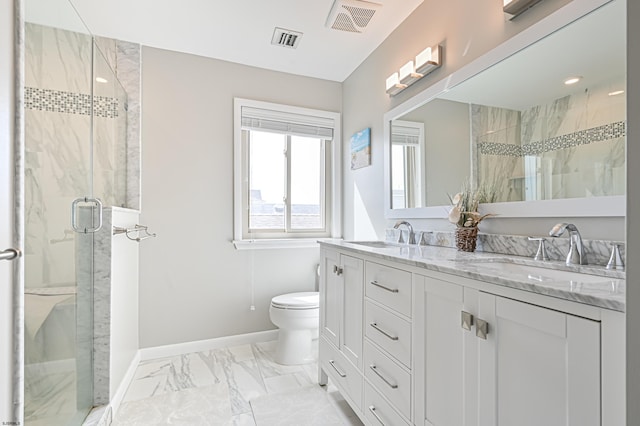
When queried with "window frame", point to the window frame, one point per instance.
{"points": [[242, 238]]}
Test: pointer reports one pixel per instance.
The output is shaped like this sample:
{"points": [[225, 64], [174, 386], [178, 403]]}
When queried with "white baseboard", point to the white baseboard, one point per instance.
{"points": [[118, 396], [205, 345]]}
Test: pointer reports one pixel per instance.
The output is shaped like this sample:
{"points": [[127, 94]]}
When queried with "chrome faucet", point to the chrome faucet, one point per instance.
{"points": [[576, 255], [412, 235]]}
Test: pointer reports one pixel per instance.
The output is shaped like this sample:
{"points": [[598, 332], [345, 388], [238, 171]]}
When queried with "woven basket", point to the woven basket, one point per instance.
{"points": [[466, 238]]}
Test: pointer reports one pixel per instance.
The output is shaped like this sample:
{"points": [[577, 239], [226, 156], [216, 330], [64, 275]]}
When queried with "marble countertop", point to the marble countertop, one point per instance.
{"points": [[597, 286]]}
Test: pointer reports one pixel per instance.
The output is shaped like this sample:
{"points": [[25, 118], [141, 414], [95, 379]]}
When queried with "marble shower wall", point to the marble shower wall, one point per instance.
{"points": [[60, 164], [573, 147]]}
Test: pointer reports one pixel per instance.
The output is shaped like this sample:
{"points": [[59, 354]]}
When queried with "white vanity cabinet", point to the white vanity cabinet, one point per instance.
{"points": [[340, 344], [492, 360], [409, 345], [388, 344], [536, 366]]}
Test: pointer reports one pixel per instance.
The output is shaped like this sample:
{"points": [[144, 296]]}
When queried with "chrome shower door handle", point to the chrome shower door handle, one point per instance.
{"points": [[10, 254], [74, 215]]}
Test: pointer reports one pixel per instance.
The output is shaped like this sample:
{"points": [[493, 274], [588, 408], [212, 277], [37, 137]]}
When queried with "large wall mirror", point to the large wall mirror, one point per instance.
{"points": [[514, 122]]}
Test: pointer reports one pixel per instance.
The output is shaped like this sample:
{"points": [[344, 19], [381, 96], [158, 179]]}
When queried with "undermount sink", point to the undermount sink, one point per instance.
{"points": [[375, 244], [539, 274]]}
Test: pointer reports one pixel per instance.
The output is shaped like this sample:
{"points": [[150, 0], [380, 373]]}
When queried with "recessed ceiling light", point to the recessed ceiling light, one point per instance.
{"points": [[617, 92], [572, 80], [101, 80]]}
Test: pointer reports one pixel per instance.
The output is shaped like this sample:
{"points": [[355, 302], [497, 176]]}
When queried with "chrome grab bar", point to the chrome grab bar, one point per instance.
{"points": [[392, 290], [332, 362], [374, 325], [10, 254], [384, 379]]}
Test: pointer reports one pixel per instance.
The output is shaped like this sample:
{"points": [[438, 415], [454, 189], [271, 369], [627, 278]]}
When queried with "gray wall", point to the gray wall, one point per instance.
{"points": [[467, 30], [193, 284]]}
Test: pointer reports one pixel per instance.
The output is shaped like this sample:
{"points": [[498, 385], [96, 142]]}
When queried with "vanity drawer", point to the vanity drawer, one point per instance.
{"points": [[389, 331], [344, 375], [378, 411], [388, 377], [389, 286]]}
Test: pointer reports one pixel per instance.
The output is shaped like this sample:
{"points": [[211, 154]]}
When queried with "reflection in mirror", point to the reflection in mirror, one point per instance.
{"points": [[518, 127], [407, 152]]}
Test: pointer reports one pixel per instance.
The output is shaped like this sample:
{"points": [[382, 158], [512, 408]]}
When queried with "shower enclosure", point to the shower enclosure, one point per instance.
{"points": [[74, 161]]}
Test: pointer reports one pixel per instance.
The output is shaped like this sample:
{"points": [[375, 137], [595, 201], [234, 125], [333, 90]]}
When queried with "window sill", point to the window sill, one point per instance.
{"points": [[277, 244]]}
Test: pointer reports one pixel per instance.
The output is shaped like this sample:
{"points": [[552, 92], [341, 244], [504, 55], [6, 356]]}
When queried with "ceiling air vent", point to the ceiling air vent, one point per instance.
{"points": [[351, 15], [286, 38]]}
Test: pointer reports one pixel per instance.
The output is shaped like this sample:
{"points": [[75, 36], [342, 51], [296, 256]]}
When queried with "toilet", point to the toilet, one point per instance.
{"points": [[297, 316]]}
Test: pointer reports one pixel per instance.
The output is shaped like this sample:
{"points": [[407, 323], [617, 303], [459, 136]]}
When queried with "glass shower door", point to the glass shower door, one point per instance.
{"points": [[58, 170]]}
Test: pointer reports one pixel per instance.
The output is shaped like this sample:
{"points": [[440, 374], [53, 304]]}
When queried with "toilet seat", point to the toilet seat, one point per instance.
{"points": [[297, 301]]}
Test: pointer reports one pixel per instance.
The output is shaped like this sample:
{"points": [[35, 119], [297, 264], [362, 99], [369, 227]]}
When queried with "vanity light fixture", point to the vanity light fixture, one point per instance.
{"points": [[393, 84], [513, 8], [408, 74], [617, 92], [426, 61], [572, 80]]}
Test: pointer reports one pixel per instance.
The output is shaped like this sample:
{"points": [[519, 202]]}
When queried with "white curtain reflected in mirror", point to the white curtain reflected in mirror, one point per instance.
{"points": [[407, 168]]}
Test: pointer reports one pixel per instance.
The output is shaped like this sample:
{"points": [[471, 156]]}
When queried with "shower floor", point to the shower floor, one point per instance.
{"points": [[50, 397]]}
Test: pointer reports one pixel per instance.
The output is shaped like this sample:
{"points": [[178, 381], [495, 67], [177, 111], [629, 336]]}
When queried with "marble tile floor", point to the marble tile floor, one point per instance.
{"points": [[216, 388]]}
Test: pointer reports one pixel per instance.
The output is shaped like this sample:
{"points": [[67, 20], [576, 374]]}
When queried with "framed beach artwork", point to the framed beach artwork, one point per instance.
{"points": [[361, 149]]}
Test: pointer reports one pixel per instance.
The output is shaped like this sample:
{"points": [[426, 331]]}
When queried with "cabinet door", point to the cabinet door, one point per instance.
{"points": [[330, 297], [537, 366], [443, 353], [352, 273]]}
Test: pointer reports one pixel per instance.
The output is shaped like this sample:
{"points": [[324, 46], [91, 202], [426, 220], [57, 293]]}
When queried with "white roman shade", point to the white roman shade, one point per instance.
{"points": [[287, 123], [404, 133]]}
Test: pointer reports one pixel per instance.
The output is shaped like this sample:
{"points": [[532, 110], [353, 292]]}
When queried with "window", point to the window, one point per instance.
{"points": [[286, 169]]}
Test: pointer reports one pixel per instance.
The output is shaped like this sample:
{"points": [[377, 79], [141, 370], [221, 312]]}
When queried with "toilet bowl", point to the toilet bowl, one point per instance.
{"points": [[297, 316]]}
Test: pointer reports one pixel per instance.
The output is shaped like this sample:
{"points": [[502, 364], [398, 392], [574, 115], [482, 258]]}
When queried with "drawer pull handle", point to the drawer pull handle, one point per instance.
{"points": [[372, 409], [374, 325], [384, 379], [332, 362], [392, 290]]}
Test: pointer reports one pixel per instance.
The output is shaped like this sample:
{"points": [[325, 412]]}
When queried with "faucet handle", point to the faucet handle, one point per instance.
{"points": [[541, 254], [422, 239], [615, 261]]}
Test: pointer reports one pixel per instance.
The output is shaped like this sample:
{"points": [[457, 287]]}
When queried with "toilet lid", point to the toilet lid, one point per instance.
{"points": [[306, 300]]}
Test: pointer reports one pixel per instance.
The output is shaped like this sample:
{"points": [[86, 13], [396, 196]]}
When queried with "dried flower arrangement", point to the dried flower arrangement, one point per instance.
{"points": [[464, 213]]}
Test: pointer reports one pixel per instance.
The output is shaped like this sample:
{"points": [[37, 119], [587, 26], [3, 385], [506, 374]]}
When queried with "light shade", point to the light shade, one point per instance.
{"points": [[393, 84], [428, 60], [514, 8], [408, 74]]}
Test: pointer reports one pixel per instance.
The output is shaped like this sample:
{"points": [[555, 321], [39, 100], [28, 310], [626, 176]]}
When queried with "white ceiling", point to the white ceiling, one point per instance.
{"points": [[236, 30]]}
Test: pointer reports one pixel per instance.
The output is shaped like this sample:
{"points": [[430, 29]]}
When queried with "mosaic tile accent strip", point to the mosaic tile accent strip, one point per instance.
{"points": [[582, 137], [504, 149], [69, 103]]}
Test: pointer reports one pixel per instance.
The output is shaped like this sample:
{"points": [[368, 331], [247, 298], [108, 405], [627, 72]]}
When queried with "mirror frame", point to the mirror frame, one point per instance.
{"points": [[615, 206]]}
